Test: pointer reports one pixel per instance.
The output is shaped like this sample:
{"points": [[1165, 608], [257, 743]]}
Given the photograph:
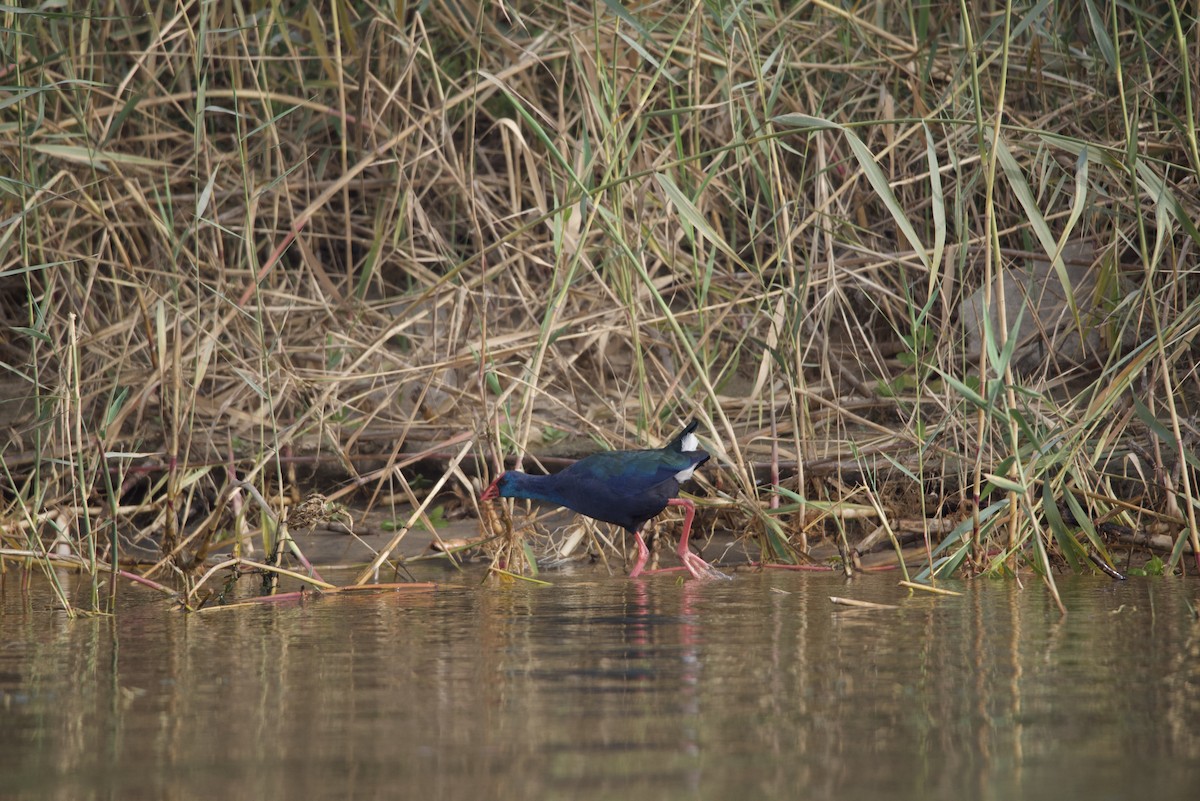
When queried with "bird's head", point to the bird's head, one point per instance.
{"points": [[497, 488]]}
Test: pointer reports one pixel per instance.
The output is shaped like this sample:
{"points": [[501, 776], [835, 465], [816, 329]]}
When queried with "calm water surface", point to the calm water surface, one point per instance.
{"points": [[598, 688]]}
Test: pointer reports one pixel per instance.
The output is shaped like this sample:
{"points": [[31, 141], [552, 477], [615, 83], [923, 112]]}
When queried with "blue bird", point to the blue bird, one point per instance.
{"points": [[625, 488]]}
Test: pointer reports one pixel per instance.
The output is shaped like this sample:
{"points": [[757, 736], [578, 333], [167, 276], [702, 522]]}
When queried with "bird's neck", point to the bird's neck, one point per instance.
{"points": [[535, 488]]}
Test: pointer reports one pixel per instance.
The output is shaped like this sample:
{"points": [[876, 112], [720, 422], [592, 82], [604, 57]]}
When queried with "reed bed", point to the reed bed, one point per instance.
{"points": [[924, 270]]}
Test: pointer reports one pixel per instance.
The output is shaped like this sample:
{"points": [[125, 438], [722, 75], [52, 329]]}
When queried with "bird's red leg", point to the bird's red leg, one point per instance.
{"points": [[639, 569], [643, 555], [694, 564]]}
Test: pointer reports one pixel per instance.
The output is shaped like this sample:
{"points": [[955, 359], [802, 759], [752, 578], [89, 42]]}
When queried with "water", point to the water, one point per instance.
{"points": [[599, 688]]}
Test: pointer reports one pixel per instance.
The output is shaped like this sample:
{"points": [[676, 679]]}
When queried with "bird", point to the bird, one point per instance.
{"points": [[625, 488]]}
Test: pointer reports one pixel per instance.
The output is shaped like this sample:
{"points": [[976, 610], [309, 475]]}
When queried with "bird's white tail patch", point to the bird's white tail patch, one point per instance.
{"points": [[684, 475], [689, 443]]}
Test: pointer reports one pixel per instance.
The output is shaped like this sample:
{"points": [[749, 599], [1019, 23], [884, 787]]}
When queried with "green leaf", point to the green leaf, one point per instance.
{"points": [[1058, 527], [1100, 32], [654, 63], [873, 172], [692, 215], [114, 406], [1085, 522], [537, 128], [99, 159], [776, 542], [937, 199], [787, 493], [1010, 343], [252, 382], [30, 268], [1162, 195], [973, 397], [31, 332], [1161, 431], [530, 559], [437, 517], [206, 193], [623, 14], [1154, 567], [1037, 221], [1005, 483], [948, 565], [1026, 429]]}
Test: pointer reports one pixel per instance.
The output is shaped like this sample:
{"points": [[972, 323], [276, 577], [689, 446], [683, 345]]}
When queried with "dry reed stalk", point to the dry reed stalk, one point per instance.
{"points": [[233, 244]]}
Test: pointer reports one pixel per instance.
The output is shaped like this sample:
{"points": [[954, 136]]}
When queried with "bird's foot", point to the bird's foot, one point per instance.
{"points": [[639, 567], [699, 568]]}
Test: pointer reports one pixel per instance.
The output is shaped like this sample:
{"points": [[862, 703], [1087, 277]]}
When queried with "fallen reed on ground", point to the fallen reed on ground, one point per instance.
{"points": [[924, 271]]}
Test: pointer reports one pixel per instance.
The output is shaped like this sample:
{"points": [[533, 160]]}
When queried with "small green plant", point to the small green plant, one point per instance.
{"points": [[1153, 567], [436, 516], [551, 435]]}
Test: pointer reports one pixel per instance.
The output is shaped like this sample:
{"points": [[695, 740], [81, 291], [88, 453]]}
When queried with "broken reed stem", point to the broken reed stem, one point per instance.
{"points": [[282, 534], [265, 568], [371, 569], [71, 560]]}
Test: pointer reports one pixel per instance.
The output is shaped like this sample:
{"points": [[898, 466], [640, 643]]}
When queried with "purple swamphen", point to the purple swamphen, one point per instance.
{"points": [[625, 488]]}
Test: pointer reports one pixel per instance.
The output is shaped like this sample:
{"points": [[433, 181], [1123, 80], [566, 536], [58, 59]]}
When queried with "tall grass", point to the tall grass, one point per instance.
{"points": [[242, 238]]}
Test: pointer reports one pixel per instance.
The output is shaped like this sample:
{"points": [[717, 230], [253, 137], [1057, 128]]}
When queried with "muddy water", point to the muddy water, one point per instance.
{"points": [[598, 688]]}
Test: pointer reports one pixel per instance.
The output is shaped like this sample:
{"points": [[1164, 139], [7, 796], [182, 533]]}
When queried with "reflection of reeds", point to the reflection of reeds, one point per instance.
{"points": [[237, 247]]}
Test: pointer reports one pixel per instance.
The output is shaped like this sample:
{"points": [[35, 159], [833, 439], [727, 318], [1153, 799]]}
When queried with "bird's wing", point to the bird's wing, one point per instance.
{"points": [[631, 473]]}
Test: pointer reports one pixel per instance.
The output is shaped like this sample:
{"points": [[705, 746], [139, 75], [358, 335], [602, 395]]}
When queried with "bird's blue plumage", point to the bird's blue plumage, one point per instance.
{"points": [[625, 488]]}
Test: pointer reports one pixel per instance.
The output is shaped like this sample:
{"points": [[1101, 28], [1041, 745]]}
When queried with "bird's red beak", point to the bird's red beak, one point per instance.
{"points": [[492, 491]]}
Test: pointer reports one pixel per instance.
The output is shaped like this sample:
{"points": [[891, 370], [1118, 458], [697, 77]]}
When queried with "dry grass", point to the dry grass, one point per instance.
{"points": [[242, 239]]}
